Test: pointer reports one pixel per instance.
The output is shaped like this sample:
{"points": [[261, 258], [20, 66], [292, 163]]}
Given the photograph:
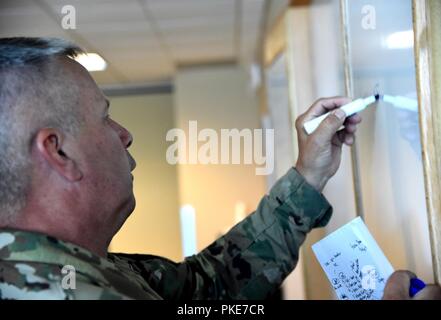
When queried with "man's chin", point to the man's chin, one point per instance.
{"points": [[129, 208], [132, 205]]}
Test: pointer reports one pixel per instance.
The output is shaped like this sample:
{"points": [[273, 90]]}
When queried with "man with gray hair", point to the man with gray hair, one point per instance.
{"points": [[66, 189]]}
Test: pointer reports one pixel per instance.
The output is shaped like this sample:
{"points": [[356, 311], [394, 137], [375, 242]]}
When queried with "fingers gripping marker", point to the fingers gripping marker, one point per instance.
{"points": [[349, 109]]}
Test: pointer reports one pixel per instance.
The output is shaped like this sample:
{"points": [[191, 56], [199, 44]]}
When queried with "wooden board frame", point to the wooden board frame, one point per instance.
{"points": [[426, 21], [349, 91], [427, 32]]}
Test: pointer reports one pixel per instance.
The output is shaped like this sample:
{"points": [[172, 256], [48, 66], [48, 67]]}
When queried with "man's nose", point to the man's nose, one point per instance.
{"points": [[126, 137], [124, 134]]}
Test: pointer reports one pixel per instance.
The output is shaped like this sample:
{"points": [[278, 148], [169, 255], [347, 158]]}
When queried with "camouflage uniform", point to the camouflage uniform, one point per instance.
{"points": [[249, 262]]}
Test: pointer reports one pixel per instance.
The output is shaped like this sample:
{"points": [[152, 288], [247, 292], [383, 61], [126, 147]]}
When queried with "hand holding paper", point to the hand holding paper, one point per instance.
{"points": [[353, 262]]}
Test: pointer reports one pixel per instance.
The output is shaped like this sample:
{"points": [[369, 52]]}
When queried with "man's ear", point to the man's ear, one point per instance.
{"points": [[49, 145]]}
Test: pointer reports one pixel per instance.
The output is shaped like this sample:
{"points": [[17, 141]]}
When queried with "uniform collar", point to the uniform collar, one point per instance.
{"points": [[26, 246]]}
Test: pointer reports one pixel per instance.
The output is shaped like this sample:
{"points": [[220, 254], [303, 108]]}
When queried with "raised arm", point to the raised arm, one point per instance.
{"points": [[254, 257]]}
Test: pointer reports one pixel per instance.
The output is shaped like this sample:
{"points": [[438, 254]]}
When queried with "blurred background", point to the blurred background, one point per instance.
{"points": [[249, 64]]}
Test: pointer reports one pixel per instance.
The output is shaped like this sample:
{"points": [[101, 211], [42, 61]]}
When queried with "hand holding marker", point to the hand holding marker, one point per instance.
{"points": [[349, 109], [361, 104], [416, 285]]}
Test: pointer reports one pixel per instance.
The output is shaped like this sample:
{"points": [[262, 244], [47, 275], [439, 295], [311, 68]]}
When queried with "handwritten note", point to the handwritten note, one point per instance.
{"points": [[353, 262]]}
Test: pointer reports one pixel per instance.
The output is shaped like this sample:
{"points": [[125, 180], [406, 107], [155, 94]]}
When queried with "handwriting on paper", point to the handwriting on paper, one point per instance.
{"points": [[353, 262]]}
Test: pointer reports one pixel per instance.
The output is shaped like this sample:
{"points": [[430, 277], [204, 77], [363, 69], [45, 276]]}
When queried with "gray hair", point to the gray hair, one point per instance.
{"points": [[33, 94]]}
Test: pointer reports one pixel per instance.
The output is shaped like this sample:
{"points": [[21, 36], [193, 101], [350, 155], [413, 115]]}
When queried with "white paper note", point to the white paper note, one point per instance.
{"points": [[353, 262]]}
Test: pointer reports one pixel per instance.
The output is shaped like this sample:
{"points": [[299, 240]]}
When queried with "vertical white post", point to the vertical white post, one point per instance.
{"points": [[239, 212], [188, 230]]}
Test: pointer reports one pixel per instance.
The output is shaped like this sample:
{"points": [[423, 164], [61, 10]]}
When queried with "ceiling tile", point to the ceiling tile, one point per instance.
{"points": [[134, 42], [171, 9], [137, 48], [213, 52], [18, 18], [93, 11], [200, 22]]}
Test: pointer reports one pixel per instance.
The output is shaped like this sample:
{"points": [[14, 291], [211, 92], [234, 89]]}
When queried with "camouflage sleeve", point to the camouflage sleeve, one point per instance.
{"points": [[253, 258]]}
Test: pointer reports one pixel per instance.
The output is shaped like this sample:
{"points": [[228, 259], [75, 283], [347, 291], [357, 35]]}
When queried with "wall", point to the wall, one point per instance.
{"points": [[154, 225], [216, 97], [278, 103]]}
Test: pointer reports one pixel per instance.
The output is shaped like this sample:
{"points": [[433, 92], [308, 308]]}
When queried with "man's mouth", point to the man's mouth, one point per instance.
{"points": [[132, 162]]}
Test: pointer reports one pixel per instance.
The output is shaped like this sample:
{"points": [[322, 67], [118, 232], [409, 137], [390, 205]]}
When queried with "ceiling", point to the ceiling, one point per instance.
{"points": [[145, 40]]}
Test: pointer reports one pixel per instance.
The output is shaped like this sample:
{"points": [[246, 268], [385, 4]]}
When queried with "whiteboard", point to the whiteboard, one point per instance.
{"points": [[381, 47]]}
